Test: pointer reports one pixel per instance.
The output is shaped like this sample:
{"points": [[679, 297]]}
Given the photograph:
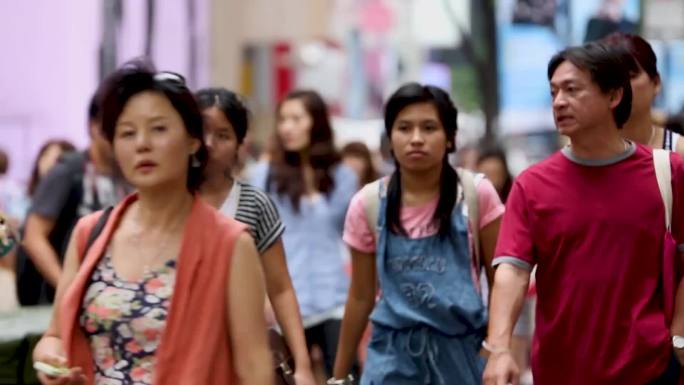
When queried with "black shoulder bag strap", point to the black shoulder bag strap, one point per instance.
{"points": [[97, 230]]}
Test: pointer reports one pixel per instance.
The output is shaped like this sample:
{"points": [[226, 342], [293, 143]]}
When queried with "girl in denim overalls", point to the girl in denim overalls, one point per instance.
{"points": [[429, 320]]}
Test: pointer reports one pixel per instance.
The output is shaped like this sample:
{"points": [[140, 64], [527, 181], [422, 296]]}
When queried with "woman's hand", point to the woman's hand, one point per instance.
{"points": [[501, 369], [304, 376], [49, 350]]}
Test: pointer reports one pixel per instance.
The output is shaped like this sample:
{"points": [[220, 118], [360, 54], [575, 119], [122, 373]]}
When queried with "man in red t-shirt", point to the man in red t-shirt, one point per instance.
{"points": [[592, 220]]}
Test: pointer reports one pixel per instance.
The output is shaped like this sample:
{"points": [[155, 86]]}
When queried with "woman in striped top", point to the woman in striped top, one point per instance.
{"points": [[225, 127]]}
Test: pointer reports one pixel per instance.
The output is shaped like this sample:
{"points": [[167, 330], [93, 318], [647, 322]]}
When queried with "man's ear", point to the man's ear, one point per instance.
{"points": [[616, 97]]}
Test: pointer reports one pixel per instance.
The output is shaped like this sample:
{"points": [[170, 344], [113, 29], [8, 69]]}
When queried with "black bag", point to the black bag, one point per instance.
{"points": [[97, 230], [35, 290]]}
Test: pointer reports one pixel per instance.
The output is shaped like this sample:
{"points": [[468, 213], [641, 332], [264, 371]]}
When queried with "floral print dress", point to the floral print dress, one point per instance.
{"points": [[124, 321]]}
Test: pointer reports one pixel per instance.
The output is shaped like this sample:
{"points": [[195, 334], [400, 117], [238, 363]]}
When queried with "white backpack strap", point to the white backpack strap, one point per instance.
{"points": [[371, 200], [661, 161], [467, 179]]}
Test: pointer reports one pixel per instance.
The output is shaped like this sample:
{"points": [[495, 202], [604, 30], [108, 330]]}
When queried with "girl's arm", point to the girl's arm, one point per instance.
{"points": [[284, 302], [488, 237], [360, 303]]}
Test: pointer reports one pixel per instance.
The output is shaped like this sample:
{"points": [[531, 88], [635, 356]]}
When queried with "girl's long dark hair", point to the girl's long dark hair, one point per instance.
{"points": [[285, 174], [405, 96]]}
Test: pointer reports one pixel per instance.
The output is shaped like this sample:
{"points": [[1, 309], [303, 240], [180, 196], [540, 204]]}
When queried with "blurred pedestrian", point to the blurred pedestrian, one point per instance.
{"points": [[646, 85], [48, 156], [311, 188], [493, 164], [13, 200], [358, 157], [79, 184]]}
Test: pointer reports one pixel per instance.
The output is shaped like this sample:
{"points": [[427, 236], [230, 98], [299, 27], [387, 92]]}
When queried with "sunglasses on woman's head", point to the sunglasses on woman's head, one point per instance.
{"points": [[170, 77]]}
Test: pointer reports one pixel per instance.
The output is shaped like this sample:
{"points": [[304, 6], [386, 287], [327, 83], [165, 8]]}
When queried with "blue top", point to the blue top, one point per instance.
{"points": [[313, 243]]}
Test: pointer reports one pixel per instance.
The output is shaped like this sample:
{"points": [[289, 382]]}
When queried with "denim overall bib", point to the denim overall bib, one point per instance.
{"points": [[430, 320]]}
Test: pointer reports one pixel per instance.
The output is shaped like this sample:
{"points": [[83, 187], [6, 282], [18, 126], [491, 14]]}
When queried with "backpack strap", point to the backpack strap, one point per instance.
{"points": [[663, 171], [93, 229], [371, 200], [371, 196], [468, 181]]}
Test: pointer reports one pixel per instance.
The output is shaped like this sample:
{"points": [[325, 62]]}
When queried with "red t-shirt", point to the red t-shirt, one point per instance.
{"points": [[595, 231]]}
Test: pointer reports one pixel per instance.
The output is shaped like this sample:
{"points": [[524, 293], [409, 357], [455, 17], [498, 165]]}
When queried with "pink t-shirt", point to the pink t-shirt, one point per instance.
{"points": [[595, 231], [418, 221]]}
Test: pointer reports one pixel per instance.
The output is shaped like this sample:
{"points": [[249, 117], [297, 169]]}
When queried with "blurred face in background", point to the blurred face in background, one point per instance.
{"points": [[358, 164], [151, 143], [494, 169], [294, 125], [49, 158], [221, 142]]}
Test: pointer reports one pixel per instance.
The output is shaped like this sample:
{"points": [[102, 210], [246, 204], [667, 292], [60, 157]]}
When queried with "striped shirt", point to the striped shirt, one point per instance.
{"points": [[251, 206], [670, 140]]}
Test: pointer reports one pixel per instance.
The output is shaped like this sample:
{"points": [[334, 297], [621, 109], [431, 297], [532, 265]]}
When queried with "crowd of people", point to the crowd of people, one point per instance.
{"points": [[169, 262]]}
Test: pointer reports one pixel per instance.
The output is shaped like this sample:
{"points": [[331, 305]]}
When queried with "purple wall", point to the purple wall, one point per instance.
{"points": [[50, 69]]}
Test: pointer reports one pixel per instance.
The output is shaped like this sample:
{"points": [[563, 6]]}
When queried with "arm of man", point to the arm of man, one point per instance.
{"points": [[48, 202], [677, 326], [514, 258], [246, 321], [360, 303], [508, 295], [284, 302], [37, 244]]}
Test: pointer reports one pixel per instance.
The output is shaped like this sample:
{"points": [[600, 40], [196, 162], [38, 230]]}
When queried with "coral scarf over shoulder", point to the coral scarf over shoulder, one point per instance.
{"points": [[195, 345]]}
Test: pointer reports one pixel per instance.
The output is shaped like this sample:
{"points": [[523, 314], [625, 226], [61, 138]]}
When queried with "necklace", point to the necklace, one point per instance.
{"points": [[150, 259], [160, 248], [159, 251]]}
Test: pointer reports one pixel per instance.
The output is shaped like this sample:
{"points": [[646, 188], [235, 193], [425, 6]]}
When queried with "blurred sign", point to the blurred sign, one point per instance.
{"points": [[663, 19], [368, 131]]}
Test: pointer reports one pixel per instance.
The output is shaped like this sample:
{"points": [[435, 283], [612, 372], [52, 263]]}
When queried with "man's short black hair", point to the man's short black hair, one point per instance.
{"points": [[608, 67]]}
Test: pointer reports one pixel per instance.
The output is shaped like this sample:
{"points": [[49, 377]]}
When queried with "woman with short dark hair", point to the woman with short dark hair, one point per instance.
{"points": [[169, 291]]}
